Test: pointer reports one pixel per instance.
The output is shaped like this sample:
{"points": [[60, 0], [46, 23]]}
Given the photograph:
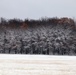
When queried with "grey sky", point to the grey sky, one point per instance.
{"points": [[35, 9]]}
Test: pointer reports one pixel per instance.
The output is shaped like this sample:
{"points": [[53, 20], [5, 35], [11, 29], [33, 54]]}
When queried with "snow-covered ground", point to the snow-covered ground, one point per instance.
{"points": [[37, 65]]}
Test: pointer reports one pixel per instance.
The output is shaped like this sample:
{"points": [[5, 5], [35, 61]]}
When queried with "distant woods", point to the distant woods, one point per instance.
{"points": [[14, 23], [50, 36]]}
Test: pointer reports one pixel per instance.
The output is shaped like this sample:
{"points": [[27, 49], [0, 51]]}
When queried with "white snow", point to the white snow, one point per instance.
{"points": [[37, 65]]}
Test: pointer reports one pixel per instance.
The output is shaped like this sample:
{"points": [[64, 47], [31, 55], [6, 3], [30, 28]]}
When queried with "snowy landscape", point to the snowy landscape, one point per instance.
{"points": [[37, 37], [38, 47]]}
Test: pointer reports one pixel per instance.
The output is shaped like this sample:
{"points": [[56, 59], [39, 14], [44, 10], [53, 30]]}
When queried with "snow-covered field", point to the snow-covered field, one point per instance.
{"points": [[37, 65]]}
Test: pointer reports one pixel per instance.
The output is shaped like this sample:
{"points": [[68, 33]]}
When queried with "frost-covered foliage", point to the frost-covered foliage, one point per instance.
{"points": [[49, 38]]}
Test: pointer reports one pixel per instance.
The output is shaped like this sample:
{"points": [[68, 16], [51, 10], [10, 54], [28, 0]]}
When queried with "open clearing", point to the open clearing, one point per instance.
{"points": [[37, 65]]}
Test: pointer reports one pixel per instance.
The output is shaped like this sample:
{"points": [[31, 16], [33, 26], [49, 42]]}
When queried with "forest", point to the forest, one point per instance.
{"points": [[49, 36]]}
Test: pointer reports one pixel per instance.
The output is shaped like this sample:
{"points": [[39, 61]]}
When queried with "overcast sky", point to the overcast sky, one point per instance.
{"points": [[35, 9]]}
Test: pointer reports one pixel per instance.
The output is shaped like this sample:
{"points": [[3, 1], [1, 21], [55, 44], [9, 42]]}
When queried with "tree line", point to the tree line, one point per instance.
{"points": [[51, 36]]}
